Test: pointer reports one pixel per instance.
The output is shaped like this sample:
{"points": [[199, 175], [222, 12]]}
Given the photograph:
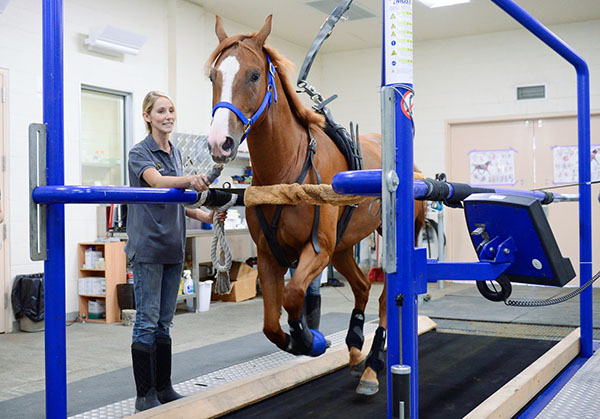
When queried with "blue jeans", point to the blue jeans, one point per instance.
{"points": [[315, 286], [155, 287]]}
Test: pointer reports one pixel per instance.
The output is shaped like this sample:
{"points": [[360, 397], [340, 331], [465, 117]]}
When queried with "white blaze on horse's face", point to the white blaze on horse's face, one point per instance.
{"points": [[223, 137]]}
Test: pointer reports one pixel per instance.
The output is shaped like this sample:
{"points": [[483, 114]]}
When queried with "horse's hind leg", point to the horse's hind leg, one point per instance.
{"points": [[345, 264], [375, 362]]}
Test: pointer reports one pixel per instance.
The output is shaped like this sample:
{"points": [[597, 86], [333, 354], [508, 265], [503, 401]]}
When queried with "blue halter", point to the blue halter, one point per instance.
{"points": [[266, 103]]}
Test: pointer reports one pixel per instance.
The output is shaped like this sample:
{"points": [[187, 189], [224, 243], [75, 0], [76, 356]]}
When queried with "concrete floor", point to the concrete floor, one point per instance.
{"points": [[94, 349]]}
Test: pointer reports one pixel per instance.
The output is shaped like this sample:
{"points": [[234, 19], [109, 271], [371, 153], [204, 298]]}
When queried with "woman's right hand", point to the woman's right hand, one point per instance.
{"points": [[200, 182]]}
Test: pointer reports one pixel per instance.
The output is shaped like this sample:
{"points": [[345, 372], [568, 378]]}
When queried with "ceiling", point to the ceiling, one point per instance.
{"points": [[298, 23]]}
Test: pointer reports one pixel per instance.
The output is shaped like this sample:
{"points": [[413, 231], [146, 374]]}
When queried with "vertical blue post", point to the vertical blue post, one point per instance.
{"points": [[397, 74], [54, 266], [585, 191]]}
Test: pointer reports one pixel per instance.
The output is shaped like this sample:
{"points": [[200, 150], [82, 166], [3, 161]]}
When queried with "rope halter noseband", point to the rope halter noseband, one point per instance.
{"points": [[270, 96]]}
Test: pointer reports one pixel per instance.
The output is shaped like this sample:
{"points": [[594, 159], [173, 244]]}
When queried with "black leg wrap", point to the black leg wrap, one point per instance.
{"points": [[376, 358], [355, 337], [287, 345], [302, 337]]}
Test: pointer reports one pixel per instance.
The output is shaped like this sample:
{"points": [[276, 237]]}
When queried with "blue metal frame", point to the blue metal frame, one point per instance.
{"points": [[67, 194], [585, 189], [368, 183], [410, 261], [54, 266]]}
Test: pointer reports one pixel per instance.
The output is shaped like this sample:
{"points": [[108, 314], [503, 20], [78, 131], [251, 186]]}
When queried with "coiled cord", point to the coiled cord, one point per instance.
{"points": [[552, 301]]}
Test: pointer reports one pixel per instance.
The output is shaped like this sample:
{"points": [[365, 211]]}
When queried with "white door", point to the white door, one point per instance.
{"points": [[3, 203]]}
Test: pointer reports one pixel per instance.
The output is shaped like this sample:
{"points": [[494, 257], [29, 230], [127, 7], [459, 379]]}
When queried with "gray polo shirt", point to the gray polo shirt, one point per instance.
{"points": [[156, 232]]}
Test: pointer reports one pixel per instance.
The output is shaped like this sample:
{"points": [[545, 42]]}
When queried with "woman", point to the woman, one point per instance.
{"points": [[156, 249]]}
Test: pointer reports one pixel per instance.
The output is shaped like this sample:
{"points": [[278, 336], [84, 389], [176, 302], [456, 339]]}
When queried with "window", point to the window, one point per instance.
{"points": [[104, 135]]}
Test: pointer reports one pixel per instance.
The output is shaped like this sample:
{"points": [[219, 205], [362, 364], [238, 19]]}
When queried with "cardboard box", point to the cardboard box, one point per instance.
{"points": [[243, 284]]}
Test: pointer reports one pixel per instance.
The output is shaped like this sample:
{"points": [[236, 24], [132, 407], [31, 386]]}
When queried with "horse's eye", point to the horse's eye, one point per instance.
{"points": [[254, 77], [210, 77]]}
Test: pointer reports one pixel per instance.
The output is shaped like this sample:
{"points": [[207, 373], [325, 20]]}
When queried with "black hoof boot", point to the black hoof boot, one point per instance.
{"points": [[306, 341], [164, 389], [143, 359]]}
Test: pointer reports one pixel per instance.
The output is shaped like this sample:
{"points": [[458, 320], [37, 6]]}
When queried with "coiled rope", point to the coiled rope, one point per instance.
{"points": [[219, 246]]}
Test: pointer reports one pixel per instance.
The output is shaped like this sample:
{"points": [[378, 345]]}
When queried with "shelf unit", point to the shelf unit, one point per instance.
{"points": [[114, 273]]}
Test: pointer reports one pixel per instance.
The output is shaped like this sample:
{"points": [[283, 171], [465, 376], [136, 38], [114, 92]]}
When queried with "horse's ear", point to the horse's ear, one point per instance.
{"points": [[219, 29], [264, 32]]}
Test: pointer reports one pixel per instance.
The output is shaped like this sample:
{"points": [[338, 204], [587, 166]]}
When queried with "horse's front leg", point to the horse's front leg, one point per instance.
{"points": [[304, 340], [271, 284], [375, 362]]}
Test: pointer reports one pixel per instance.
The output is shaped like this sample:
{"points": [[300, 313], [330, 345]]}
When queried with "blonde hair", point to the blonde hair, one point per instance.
{"points": [[149, 102]]}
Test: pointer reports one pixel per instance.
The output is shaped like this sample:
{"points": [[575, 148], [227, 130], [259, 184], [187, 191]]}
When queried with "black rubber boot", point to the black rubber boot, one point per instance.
{"points": [[164, 388], [143, 359], [312, 311]]}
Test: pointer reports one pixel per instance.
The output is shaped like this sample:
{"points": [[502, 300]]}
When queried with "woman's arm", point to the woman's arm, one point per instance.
{"points": [[200, 215], [204, 216], [156, 180]]}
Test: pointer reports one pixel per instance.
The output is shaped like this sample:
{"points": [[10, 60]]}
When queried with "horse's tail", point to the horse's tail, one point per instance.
{"points": [[420, 209]]}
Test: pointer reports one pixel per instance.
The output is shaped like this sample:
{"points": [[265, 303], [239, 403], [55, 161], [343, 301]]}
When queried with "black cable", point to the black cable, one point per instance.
{"points": [[551, 301], [567, 186]]}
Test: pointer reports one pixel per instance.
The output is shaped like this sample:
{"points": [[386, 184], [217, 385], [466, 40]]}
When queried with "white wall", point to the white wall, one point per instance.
{"points": [[461, 78], [465, 78], [180, 38]]}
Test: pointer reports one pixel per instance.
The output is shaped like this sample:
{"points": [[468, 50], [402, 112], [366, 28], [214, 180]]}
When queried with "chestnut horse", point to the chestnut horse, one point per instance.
{"points": [[254, 97]]}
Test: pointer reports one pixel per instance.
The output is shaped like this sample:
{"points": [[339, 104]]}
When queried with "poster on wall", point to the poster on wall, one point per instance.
{"points": [[492, 167], [565, 162]]}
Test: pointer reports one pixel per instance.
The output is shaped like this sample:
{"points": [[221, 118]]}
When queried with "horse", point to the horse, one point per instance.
{"points": [[253, 98]]}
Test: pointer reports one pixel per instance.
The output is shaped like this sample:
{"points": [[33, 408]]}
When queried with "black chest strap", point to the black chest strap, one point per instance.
{"points": [[270, 229]]}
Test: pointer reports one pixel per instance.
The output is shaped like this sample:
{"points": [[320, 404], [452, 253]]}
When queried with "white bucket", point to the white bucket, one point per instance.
{"points": [[204, 288]]}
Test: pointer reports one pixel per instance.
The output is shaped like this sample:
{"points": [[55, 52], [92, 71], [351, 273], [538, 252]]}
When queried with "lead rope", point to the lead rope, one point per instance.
{"points": [[219, 245]]}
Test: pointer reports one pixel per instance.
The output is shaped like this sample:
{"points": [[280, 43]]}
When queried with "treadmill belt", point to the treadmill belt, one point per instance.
{"points": [[456, 373]]}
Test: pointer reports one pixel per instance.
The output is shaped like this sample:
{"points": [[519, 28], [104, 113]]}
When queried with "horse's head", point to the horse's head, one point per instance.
{"points": [[242, 84]]}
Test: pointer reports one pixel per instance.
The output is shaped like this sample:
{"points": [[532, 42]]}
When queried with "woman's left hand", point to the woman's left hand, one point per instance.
{"points": [[221, 216]]}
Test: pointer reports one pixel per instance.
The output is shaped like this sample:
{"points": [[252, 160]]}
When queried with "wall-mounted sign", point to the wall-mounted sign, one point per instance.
{"points": [[492, 167], [565, 162]]}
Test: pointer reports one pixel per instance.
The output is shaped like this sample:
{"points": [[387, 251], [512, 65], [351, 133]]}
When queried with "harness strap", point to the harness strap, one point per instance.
{"points": [[315, 230], [270, 229], [271, 236]]}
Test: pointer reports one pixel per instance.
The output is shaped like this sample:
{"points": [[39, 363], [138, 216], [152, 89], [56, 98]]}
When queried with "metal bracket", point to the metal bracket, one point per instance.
{"points": [[37, 177], [389, 183]]}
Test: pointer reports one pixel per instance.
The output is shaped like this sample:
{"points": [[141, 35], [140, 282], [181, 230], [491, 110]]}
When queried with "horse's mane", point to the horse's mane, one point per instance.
{"points": [[284, 67]]}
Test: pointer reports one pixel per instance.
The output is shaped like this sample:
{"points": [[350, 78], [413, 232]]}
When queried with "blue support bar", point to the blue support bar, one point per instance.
{"points": [[368, 183], [583, 122], [403, 347], [54, 266], [111, 195], [456, 271]]}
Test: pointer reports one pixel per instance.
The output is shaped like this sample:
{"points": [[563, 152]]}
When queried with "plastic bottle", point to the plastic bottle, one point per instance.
{"points": [[188, 282]]}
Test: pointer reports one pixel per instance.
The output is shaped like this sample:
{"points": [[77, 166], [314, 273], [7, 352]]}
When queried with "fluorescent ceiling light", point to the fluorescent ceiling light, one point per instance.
{"points": [[442, 3]]}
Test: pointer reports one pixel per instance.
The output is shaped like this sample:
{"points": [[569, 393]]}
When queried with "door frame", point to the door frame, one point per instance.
{"points": [[4, 138]]}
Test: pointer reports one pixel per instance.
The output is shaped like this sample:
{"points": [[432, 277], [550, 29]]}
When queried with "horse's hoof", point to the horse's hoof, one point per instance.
{"points": [[328, 343], [358, 369], [367, 388], [319, 344]]}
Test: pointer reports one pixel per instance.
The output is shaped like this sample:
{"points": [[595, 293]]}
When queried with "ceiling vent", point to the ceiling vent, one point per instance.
{"points": [[114, 41], [327, 6], [531, 92]]}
